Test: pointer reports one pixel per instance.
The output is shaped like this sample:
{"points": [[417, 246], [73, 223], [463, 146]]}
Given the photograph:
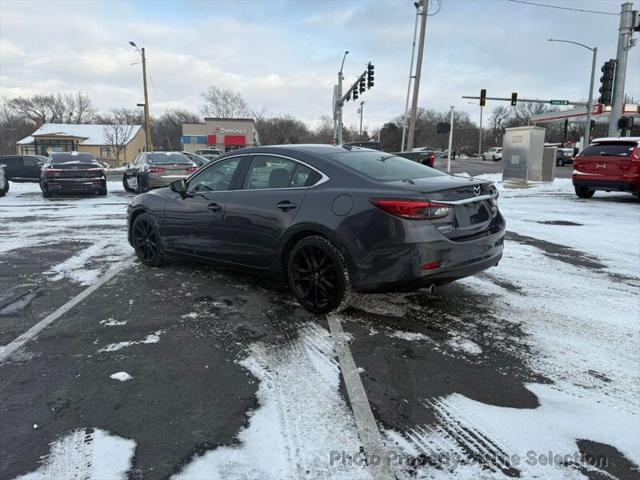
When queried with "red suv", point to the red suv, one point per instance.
{"points": [[610, 164]]}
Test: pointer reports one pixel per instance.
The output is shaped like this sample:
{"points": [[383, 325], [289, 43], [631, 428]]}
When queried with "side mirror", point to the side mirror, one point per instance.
{"points": [[180, 187]]}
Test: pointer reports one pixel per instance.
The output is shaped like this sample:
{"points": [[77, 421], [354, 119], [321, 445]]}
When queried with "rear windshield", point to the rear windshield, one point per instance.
{"points": [[59, 158], [383, 166], [609, 150], [163, 158]]}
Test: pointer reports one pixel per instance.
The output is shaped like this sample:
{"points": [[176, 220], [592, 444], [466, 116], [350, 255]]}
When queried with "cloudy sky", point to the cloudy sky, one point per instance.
{"points": [[283, 56]]}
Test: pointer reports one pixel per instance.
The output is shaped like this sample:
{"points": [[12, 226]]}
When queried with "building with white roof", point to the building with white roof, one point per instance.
{"points": [[66, 137]]}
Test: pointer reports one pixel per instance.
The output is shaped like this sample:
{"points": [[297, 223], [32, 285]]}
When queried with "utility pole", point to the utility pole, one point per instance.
{"points": [[147, 119], [413, 51], [450, 142], [360, 112], [338, 106], [625, 42], [416, 82]]}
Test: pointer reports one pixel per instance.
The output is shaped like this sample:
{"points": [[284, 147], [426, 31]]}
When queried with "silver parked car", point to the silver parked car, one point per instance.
{"points": [[4, 182], [156, 169]]}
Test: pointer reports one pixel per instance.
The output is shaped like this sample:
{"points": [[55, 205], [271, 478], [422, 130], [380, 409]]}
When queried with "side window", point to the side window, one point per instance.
{"points": [[276, 172], [30, 162], [215, 178]]}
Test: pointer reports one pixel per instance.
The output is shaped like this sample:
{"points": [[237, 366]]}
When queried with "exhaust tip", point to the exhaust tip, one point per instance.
{"points": [[432, 288]]}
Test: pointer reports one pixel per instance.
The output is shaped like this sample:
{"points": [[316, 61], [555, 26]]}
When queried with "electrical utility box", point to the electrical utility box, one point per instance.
{"points": [[522, 155]]}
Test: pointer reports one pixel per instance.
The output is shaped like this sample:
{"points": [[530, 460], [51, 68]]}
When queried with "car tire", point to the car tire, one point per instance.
{"points": [[484, 158], [583, 192], [318, 275], [142, 186], [493, 158], [102, 193], [147, 242], [46, 194], [4, 191]]}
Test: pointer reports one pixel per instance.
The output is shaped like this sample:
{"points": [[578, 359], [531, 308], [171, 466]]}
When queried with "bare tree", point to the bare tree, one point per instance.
{"points": [[13, 127], [224, 103], [116, 133], [54, 108], [167, 129]]}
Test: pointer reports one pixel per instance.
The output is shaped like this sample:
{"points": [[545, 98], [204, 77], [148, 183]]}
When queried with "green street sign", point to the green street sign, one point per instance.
{"points": [[559, 102]]}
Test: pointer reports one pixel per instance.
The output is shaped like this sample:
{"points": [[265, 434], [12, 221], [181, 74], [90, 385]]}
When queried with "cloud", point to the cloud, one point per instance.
{"points": [[284, 56]]}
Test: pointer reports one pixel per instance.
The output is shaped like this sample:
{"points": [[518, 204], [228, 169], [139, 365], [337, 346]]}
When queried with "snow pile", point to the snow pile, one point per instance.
{"points": [[86, 454]]}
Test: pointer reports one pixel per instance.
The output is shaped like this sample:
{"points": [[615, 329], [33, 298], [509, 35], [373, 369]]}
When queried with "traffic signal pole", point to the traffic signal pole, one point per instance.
{"points": [[416, 81], [587, 128], [624, 45]]}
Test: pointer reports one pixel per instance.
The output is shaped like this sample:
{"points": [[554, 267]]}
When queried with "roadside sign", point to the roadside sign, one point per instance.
{"points": [[559, 102]]}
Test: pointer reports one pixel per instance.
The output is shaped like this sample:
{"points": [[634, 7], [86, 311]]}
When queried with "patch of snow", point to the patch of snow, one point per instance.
{"points": [[464, 345], [151, 338], [111, 322], [190, 315], [122, 376], [519, 437], [410, 336], [86, 455], [302, 418]]}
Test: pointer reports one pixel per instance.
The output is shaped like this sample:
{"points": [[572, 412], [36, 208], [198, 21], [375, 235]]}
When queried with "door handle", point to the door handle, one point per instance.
{"points": [[214, 207], [286, 205]]}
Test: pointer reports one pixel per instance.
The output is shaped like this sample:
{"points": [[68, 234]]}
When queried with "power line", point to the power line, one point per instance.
{"points": [[563, 8]]}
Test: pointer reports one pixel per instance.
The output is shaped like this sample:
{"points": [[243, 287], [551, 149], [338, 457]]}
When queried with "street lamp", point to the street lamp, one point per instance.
{"points": [[594, 50], [147, 120], [338, 107]]}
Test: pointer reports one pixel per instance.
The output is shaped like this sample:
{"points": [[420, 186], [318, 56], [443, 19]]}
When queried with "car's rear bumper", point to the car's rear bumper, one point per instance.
{"points": [[610, 184], [163, 181], [62, 185], [431, 262]]}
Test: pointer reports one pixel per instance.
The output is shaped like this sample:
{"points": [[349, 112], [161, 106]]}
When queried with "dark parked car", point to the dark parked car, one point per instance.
{"points": [[156, 169], [23, 168], [423, 156], [326, 219], [4, 182], [72, 172], [610, 164]]}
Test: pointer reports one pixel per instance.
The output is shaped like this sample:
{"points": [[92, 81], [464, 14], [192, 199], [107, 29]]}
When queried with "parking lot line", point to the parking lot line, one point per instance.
{"points": [[368, 431], [7, 350]]}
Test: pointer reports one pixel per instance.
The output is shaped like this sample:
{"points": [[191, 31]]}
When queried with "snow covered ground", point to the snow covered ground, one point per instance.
{"points": [[569, 279]]}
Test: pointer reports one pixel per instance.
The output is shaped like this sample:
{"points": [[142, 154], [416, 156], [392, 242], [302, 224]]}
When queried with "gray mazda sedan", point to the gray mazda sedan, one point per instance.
{"points": [[326, 219]]}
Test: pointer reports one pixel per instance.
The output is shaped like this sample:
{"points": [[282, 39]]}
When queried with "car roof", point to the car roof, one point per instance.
{"points": [[616, 139], [318, 149]]}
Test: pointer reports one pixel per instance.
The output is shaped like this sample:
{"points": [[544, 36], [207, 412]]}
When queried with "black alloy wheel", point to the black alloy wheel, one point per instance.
{"points": [[318, 275], [146, 241]]}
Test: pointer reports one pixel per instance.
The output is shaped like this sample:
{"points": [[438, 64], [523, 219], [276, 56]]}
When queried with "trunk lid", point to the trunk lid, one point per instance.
{"points": [[76, 170], [175, 169], [472, 210]]}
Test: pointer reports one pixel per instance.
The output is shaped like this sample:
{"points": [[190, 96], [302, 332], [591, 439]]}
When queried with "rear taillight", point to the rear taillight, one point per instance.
{"points": [[191, 169], [432, 159], [52, 172], [157, 170], [413, 209]]}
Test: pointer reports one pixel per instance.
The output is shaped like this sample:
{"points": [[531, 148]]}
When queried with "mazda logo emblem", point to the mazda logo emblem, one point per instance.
{"points": [[476, 190]]}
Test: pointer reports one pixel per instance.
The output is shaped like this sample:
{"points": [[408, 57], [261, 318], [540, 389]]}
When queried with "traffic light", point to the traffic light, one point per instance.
{"points": [[483, 97], [606, 82], [348, 96], [355, 94], [370, 75], [362, 84], [592, 126], [514, 99]]}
